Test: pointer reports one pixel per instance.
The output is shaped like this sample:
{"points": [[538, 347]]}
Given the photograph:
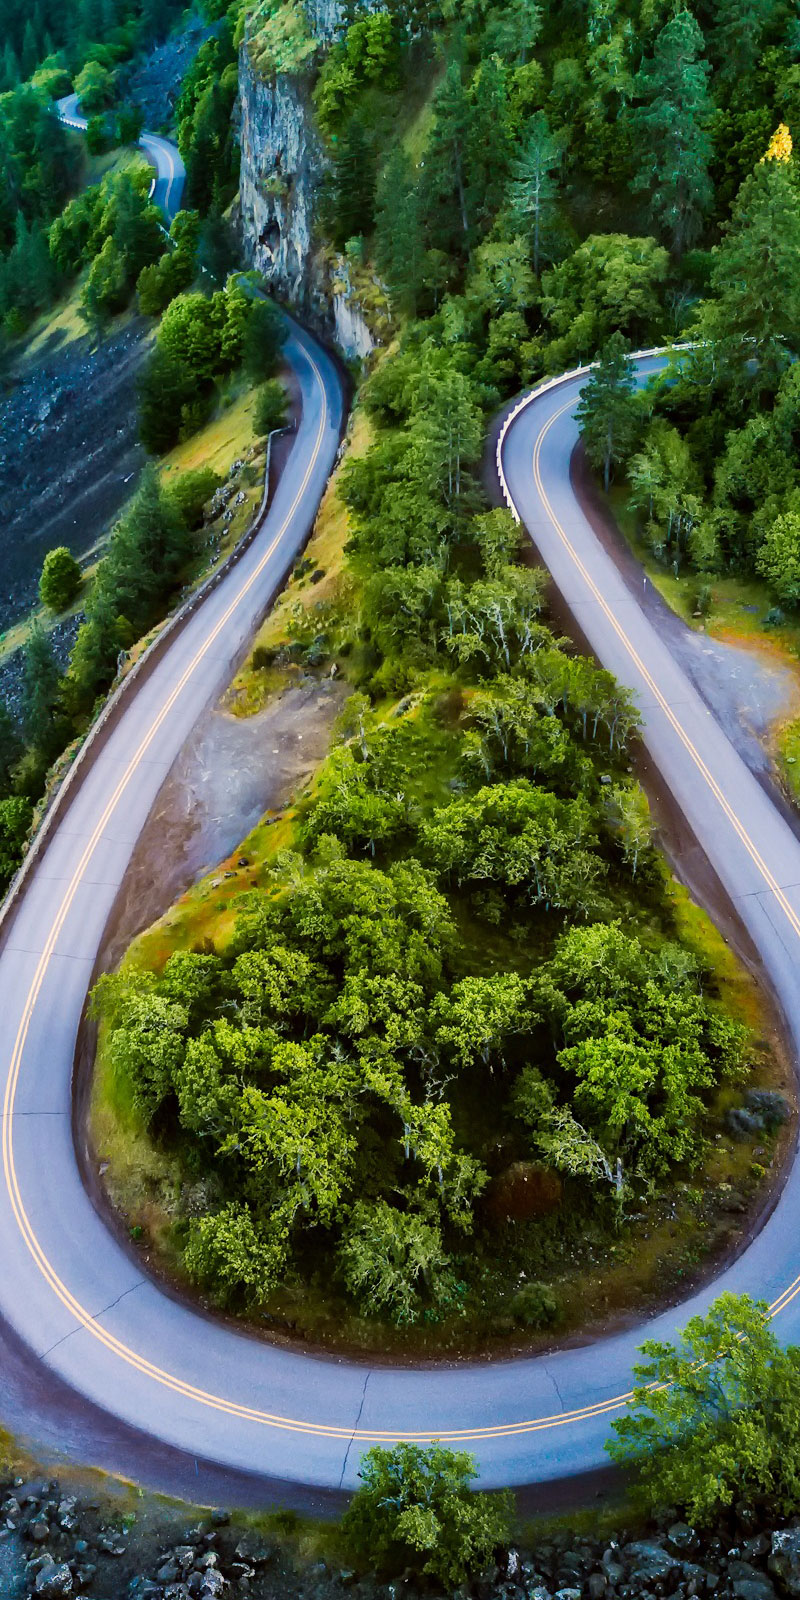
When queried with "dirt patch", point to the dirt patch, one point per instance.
{"points": [[228, 774], [69, 454]]}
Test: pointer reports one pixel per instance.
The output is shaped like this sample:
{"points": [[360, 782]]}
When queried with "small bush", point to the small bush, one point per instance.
{"points": [[60, 580], [535, 1306], [270, 407], [703, 600], [415, 1510], [191, 492]]}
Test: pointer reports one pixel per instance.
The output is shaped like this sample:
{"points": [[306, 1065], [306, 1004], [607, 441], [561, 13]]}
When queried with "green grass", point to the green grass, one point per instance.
{"points": [[324, 553], [279, 39]]}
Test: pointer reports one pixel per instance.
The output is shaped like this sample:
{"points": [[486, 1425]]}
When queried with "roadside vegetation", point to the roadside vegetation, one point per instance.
{"points": [[444, 1023]]}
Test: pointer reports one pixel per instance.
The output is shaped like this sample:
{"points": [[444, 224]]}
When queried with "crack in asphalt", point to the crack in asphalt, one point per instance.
{"points": [[552, 1378], [110, 1307], [355, 1430]]}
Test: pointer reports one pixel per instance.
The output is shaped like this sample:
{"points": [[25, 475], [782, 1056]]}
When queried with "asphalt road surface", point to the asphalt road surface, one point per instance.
{"points": [[162, 155], [78, 1300]]}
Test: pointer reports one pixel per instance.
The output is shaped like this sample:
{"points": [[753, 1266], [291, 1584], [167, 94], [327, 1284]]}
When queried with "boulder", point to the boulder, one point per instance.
{"points": [[758, 1588], [53, 1581], [784, 1560], [524, 1191], [649, 1562], [213, 1583], [681, 1536]]}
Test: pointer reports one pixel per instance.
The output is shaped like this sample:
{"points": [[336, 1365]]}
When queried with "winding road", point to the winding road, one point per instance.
{"points": [[76, 1298], [170, 173]]}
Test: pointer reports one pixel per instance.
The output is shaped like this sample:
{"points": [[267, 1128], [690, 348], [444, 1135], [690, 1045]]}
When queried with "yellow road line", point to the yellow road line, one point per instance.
{"points": [[719, 795], [84, 1318]]}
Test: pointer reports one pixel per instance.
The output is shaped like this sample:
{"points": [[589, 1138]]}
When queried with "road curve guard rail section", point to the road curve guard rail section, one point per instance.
{"points": [[118, 698]]}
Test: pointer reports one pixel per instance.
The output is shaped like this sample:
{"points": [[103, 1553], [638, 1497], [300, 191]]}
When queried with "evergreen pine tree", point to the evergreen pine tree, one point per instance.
{"points": [[608, 412], [671, 131], [735, 39], [753, 320], [40, 692], [400, 241], [534, 190]]}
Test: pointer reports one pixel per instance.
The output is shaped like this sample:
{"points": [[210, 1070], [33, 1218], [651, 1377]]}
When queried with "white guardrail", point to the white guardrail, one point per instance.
{"points": [[556, 383], [123, 691]]}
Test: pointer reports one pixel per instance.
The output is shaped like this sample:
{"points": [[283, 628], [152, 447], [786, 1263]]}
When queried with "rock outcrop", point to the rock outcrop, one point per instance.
{"points": [[283, 165]]}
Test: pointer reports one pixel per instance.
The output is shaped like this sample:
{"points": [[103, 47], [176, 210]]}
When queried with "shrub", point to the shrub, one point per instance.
{"points": [[270, 407], [60, 580], [415, 1509], [15, 820], [535, 1306], [191, 492]]}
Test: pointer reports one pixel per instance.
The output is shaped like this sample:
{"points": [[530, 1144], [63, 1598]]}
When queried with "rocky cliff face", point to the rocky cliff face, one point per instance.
{"points": [[282, 167], [325, 17], [281, 170]]}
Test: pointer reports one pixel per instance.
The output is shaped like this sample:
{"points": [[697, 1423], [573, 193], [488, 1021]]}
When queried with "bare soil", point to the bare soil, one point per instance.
{"points": [[229, 773]]}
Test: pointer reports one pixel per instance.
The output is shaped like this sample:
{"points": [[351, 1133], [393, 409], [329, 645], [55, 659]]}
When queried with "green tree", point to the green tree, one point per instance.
{"points": [[264, 338], [609, 414], [520, 838], [128, 124], [479, 1015], [351, 197], [16, 815], [778, 560], [165, 387], [755, 278], [400, 242], [673, 144], [666, 487], [270, 407], [394, 1262], [611, 284], [98, 135], [735, 39], [106, 289], [416, 1509], [41, 686], [714, 1419], [60, 579], [534, 191], [94, 86], [227, 1254]]}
